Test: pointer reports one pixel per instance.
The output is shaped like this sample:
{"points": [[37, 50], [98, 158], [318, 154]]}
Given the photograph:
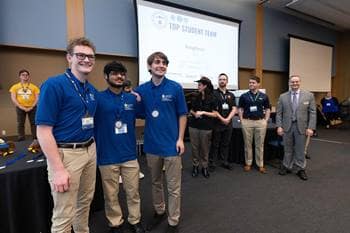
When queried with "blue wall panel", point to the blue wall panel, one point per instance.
{"points": [[277, 26], [33, 23], [111, 25]]}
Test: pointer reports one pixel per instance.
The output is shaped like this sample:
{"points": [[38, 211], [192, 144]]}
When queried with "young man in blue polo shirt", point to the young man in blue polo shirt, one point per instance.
{"points": [[116, 148], [254, 112], [165, 109], [65, 124]]}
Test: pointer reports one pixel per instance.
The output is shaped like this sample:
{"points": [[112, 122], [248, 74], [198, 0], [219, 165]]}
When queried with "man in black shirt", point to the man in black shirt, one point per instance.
{"points": [[254, 112], [222, 130]]}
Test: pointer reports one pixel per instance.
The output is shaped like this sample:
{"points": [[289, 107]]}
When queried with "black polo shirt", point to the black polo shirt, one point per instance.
{"points": [[226, 100], [254, 105], [198, 104]]}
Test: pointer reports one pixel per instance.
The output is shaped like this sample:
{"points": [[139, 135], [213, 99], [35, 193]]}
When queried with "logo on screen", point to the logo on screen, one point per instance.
{"points": [[160, 20]]}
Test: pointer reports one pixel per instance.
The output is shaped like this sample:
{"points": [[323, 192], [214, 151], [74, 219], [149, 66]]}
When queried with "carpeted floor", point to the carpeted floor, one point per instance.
{"points": [[240, 202]]}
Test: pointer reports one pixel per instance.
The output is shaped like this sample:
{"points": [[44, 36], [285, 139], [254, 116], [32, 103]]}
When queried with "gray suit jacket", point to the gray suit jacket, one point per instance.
{"points": [[306, 111]]}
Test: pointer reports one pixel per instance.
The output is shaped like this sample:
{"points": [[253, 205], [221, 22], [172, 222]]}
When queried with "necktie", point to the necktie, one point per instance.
{"points": [[294, 105]]}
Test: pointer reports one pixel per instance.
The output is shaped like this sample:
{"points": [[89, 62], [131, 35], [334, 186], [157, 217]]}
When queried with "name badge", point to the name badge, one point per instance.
{"points": [[87, 122], [253, 108], [225, 106], [328, 104], [122, 129]]}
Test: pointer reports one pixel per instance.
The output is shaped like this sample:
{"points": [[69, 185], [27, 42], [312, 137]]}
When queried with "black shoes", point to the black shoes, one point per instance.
{"points": [[156, 220], [302, 174], [283, 171], [227, 166], [307, 156], [172, 229], [118, 229], [205, 172], [195, 171], [137, 228]]}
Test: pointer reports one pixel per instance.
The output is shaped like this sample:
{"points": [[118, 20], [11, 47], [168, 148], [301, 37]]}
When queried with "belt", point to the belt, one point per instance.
{"points": [[76, 145], [254, 118]]}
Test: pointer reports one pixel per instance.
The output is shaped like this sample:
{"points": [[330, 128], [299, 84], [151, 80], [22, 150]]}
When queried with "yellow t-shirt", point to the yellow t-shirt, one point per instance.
{"points": [[25, 94]]}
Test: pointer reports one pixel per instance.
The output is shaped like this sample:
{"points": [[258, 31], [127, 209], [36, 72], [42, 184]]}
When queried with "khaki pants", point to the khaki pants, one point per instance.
{"points": [[200, 142], [129, 172], [72, 207], [254, 129], [173, 166]]}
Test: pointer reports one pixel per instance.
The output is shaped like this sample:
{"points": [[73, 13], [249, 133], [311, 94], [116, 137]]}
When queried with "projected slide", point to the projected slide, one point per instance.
{"points": [[195, 44]]}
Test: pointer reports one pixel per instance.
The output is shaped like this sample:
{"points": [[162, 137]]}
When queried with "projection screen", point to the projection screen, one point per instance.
{"points": [[196, 44], [313, 62]]}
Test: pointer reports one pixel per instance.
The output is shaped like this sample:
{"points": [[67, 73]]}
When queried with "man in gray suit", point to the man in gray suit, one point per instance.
{"points": [[295, 119]]}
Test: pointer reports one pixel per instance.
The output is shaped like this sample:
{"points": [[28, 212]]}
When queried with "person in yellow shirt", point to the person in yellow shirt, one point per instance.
{"points": [[25, 96]]}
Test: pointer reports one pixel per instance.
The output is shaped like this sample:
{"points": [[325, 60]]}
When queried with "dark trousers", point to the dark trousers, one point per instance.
{"points": [[21, 119], [220, 145]]}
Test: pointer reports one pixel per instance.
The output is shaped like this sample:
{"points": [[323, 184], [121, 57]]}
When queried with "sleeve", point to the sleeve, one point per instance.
{"points": [[180, 102], [36, 90], [267, 103], [13, 88], [233, 99], [49, 104], [241, 102], [279, 112]]}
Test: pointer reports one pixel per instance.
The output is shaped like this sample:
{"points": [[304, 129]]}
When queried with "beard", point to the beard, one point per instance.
{"points": [[114, 84]]}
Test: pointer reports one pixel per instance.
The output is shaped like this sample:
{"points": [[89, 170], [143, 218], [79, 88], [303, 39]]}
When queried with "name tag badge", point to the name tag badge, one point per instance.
{"points": [[253, 108], [225, 106], [328, 104], [87, 122], [122, 129]]}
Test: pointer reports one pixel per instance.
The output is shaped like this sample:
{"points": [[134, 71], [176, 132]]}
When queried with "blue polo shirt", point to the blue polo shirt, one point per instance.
{"points": [[162, 130], [61, 107], [248, 101], [115, 148]]}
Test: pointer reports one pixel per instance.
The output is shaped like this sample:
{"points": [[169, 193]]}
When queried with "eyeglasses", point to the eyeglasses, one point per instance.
{"points": [[82, 56]]}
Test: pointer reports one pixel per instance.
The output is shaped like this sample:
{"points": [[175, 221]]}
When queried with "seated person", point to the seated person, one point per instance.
{"points": [[330, 109]]}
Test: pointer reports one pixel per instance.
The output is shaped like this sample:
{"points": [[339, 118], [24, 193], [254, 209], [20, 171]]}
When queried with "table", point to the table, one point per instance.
{"points": [[237, 142], [26, 202]]}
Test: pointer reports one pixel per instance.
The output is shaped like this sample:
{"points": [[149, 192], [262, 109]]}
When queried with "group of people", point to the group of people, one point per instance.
{"points": [[80, 128]]}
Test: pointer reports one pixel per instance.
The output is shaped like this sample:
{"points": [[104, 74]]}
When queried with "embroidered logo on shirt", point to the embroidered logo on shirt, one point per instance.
{"points": [[92, 97], [167, 98], [128, 106]]}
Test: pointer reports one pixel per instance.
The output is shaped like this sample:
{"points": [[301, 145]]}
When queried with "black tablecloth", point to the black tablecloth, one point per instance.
{"points": [[25, 200], [237, 142]]}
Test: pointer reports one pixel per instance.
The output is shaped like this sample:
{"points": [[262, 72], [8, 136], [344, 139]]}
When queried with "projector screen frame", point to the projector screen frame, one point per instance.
{"points": [[194, 10], [315, 42]]}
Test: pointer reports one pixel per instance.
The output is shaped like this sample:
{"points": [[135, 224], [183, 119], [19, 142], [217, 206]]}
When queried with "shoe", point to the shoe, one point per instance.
{"points": [[195, 171], [137, 228], [262, 170], [307, 156], [227, 166], [156, 220], [302, 174], [247, 168], [205, 172], [172, 229], [283, 171], [212, 168], [118, 229]]}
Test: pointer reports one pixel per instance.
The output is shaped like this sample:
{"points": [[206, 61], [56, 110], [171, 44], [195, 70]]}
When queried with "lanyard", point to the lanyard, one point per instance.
{"points": [[223, 95], [83, 98], [156, 98], [256, 97], [119, 104], [25, 89]]}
